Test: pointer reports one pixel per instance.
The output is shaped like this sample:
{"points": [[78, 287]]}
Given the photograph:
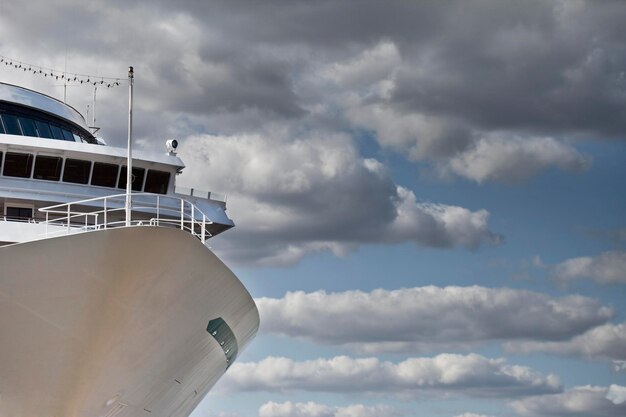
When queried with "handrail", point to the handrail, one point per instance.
{"points": [[149, 210]]}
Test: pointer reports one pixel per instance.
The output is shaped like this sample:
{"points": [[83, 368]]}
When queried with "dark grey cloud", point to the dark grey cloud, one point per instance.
{"points": [[550, 68], [487, 90], [540, 69], [553, 67]]}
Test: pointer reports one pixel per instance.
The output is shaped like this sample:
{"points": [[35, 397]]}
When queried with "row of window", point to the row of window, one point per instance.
{"points": [[20, 125], [78, 171]]}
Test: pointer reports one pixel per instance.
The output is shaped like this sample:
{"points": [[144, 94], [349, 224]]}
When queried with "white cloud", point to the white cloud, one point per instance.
{"points": [[289, 409], [312, 409], [619, 366], [201, 411], [293, 196], [472, 415], [421, 136], [580, 401], [514, 159], [616, 394], [369, 67], [606, 268], [603, 342], [428, 318], [445, 373]]}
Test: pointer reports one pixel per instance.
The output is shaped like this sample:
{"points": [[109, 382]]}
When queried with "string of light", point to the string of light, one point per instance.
{"points": [[95, 80]]}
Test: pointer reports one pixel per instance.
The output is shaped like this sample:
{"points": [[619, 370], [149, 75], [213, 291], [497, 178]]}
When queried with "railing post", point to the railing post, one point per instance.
{"points": [[68, 218], [192, 222], [46, 224], [203, 228], [105, 213], [157, 209], [182, 213]]}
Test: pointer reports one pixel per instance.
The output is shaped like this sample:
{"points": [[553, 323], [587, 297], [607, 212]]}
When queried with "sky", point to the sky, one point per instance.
{"points": [[428, 195]]}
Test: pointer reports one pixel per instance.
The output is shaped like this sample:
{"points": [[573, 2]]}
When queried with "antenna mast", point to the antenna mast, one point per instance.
{"points": [[93, 127], [129, 163]]}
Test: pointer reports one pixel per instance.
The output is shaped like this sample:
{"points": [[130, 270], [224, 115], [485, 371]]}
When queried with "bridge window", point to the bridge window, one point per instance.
{"points": [[137, 180], [43, 129], [47, 168], [104, 175], [157, 181], [28, 127], [67, 135], [18, 165], [76, 171], [11, 124], [56, 132]]}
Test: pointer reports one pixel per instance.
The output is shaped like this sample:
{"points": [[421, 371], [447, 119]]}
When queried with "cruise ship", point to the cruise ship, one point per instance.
{"points": [[111, 302]]}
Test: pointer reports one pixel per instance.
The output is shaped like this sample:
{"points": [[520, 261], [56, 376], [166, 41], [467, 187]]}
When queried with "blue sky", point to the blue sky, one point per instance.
{"points": [[428, 195]]}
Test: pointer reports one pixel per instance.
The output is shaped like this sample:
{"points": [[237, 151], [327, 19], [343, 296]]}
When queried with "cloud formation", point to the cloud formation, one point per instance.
{"points": [[543, 75], [606, 268], [579, 401], [292, 196], [445, 373], [312, 409], [431, 318], [472, 415], [603, 342], [515, 159]]}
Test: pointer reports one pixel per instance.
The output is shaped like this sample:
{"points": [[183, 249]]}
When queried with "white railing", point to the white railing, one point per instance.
{"points": [[193, 192], [148, 209]]}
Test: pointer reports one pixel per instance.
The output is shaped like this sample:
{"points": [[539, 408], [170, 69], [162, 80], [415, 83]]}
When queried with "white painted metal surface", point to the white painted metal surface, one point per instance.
{"points": [[113, 323]]}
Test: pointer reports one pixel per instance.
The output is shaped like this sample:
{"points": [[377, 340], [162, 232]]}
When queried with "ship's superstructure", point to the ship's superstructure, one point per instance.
{"points": [[101, 315]]}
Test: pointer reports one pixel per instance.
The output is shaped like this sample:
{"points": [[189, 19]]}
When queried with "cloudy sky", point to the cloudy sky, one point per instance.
{"points": [[429, 195]]}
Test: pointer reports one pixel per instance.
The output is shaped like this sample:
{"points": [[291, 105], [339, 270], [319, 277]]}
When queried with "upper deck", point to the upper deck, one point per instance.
{"points": [[29, 113], [48, 156]]}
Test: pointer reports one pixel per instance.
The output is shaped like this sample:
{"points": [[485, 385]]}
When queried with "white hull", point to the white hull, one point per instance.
{"points": [[114, 323]]}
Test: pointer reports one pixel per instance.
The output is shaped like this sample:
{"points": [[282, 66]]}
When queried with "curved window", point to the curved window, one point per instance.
{"points": [[56, 132], [20, 120], [76, 171], [43, 129], [67, 135], [11, 124], [28, 127]]}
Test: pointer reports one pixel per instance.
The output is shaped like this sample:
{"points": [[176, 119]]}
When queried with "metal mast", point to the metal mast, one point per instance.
{"points": [[129, 163]]}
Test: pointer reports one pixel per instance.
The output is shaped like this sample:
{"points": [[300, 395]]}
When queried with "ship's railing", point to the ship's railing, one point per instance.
{"points": [[201, 194], [107, 212]]}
